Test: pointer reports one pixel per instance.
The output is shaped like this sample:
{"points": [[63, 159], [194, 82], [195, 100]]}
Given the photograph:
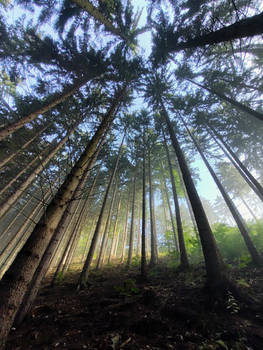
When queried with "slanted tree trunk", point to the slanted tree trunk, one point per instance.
{"points": [[131, 242], [243, 171], [16, 242], [86, 268], [216, 277], [25, 145], [5, 206], [46, 106], [234, 103], [248, 209], [26, 167], [184, 263], [15, 282], [154, 252], [241, 225], [247, 27]]}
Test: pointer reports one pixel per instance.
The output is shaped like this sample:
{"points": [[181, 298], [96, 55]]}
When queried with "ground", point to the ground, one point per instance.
{"points": [[171, 310]]}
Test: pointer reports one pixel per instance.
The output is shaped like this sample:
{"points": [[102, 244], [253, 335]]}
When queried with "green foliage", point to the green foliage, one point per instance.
{"points": [[232, 304], [127, 288]]}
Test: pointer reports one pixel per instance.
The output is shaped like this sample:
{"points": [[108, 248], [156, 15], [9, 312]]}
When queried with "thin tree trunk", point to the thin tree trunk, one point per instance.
{"points": [[125, 231], [183, 254], [216, 277], [38, 158], [169, 207], [25, 145], [86, 268], [16, 280], [115, 239], [249, 209], [154, 252], [143, 244], [107, 226], [4, 207], [234, 103], [131, 242], [241, 225], [15, 244], [12, 127], [243, 171], [138, 247], [190, 209]]}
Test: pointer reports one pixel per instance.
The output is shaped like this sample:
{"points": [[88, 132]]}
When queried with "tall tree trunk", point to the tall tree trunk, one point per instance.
{"points": [[154, 252], [16, 280], [131, 242], [86, 268], [114, 242], [46, 106], [163, 180], [138, 247], [234, 103], [184, 263], [190, 209], [243, 171], [103, 246], [241, 225], [143, 244], [216, 277], [247, 27], [125, 231]]}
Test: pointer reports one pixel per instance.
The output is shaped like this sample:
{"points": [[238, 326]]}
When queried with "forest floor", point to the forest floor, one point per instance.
{"points": [[171, 310]]}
